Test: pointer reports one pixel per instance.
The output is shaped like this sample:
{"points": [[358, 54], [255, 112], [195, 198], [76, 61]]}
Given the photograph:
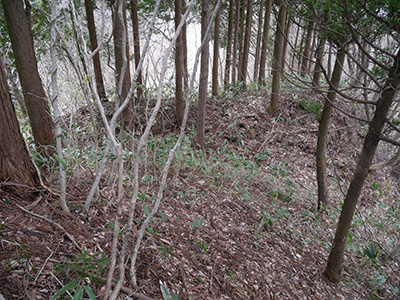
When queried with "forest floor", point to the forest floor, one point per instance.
{"points": [[238, 219]]}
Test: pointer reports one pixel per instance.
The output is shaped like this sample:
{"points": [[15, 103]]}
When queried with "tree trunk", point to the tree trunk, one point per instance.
{"points": [[216, 53], [285, 43], [179, 102], [93, 45], [264, 44], [136, 46], [201, 112], [323, 131], [185, 57], [335, 260], [121, 48], [276, 67], [241, 38], [258, 42], [306, 52], [32, 88], [229, 44], [16, 166], [294, 49], [236, 41], [246, 44], [318, 64]]}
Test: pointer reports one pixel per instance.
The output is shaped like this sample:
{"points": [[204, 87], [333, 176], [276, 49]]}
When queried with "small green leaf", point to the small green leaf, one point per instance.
{"points": [[62, 162], [79, 294], [68, 287], [90, 292]]}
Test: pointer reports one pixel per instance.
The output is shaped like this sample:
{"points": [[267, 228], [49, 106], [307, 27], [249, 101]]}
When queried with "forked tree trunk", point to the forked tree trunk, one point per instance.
{"points": [[323, 131], [246, 43], [122, 57], [276, 67], [32, 87], [136, 46], [264, 44], [201, 112], [93, 45], [179, 102], [258, 41], [387, 95], [216, 54], [16, 165], [228, 60]]}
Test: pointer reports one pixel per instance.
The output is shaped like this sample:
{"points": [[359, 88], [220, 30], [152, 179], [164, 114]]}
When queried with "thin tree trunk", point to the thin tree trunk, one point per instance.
{"points": [[323, 131], [228, 61], [318, 64], [246, 44], [294, 51], [136, 46], [236, 41], [93, 45], [258, 42], [387, 95], [264, 44], [216, 54], [179, 101], [276, 67], [32, 87], [285, 43], [185, 56], [306, 53], [241, 38]]}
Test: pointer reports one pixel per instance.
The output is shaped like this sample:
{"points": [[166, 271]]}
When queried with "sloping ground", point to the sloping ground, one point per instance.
{"points": [[238, 220]]}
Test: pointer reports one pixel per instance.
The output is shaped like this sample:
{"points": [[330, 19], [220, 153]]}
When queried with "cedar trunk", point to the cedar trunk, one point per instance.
{"points": [[122, 56], [32, 87], [306, 53], [136, 46], [318, 64], [229, 44], [236, 41], [323, 131], [264, 44], [258, 41], [93, 45], [241, 38], [216, 53], [246, 44], [276, 67], [16, 165], [387, 95], [179, 102], [201, 112]]}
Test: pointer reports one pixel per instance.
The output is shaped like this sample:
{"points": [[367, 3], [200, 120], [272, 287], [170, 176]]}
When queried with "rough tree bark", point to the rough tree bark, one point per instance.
{"points": [[236, 41], [136, 46], [276, 67], [258, 41], [323, 131], [228, 60], [201, 112], [242, 24], [246, 43], [93, 45], [121, 48], [179, 101], [285, 43], [32, 87], [387, 95], [16, 165], [264, 44], [216, 54]]}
